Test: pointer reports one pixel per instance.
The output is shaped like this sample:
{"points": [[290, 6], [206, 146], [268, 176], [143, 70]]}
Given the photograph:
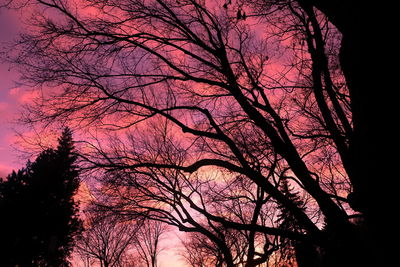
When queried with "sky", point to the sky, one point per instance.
{"points": [[11, 97]]}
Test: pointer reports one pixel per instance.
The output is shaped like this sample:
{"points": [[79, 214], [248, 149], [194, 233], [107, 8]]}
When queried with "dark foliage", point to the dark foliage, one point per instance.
{"points": [[303, 252], [39, 214]]}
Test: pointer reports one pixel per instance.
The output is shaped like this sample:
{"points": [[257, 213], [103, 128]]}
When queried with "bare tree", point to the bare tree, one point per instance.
{"points": [[200, 252], [106, 240], [198, 101], [148, 242]]}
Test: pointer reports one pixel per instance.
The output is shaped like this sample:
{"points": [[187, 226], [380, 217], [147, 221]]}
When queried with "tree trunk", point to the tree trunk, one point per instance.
{"points": [[370, 195]]}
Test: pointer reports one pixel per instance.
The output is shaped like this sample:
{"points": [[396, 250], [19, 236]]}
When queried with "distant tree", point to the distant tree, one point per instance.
{"points": [[105, 240], [39, 213], [147, 242], [112, 241], [200, 252]]}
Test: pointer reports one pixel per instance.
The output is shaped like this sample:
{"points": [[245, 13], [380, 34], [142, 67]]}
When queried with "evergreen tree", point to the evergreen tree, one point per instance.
{"points": [[286, 219], [40, 216], [303, 252]]}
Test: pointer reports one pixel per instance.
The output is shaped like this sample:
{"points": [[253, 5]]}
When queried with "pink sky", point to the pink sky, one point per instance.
{"points": [[10, 97]]}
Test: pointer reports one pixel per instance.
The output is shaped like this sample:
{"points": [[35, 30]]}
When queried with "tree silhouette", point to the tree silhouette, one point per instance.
{"points": [[148, 242], [198, 100], [111, 240], [106, 240], [288, 221], [200, 252], [303, 252], [39, 213]]}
